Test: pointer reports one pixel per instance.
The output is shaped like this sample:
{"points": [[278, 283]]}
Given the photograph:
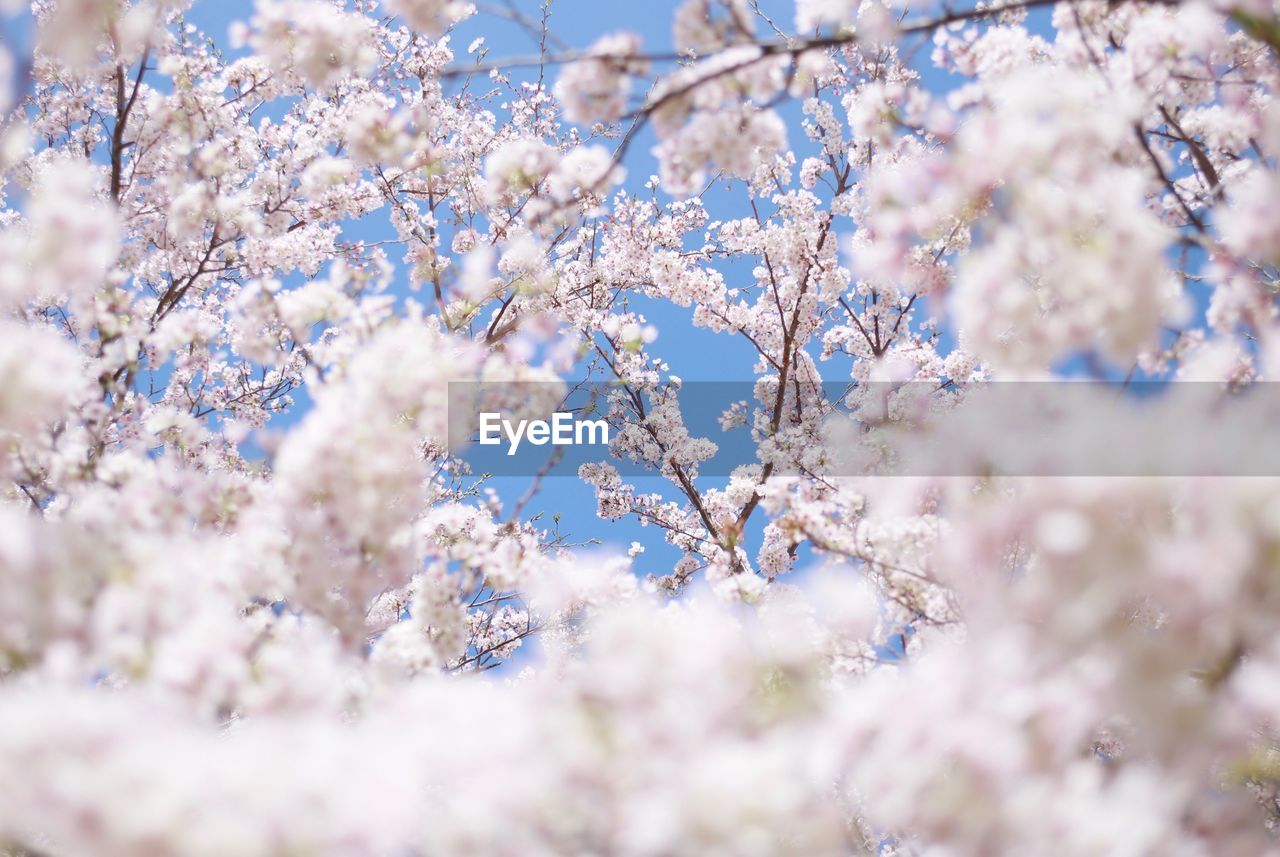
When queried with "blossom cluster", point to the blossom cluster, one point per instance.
{"points": [[253, 602]]}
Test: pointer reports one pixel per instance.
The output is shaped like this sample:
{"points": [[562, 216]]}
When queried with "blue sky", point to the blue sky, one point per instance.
{"points": [[693, 353]]}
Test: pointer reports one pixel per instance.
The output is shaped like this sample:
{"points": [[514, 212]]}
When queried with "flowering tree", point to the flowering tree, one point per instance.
{"points": [[247, 587]]}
